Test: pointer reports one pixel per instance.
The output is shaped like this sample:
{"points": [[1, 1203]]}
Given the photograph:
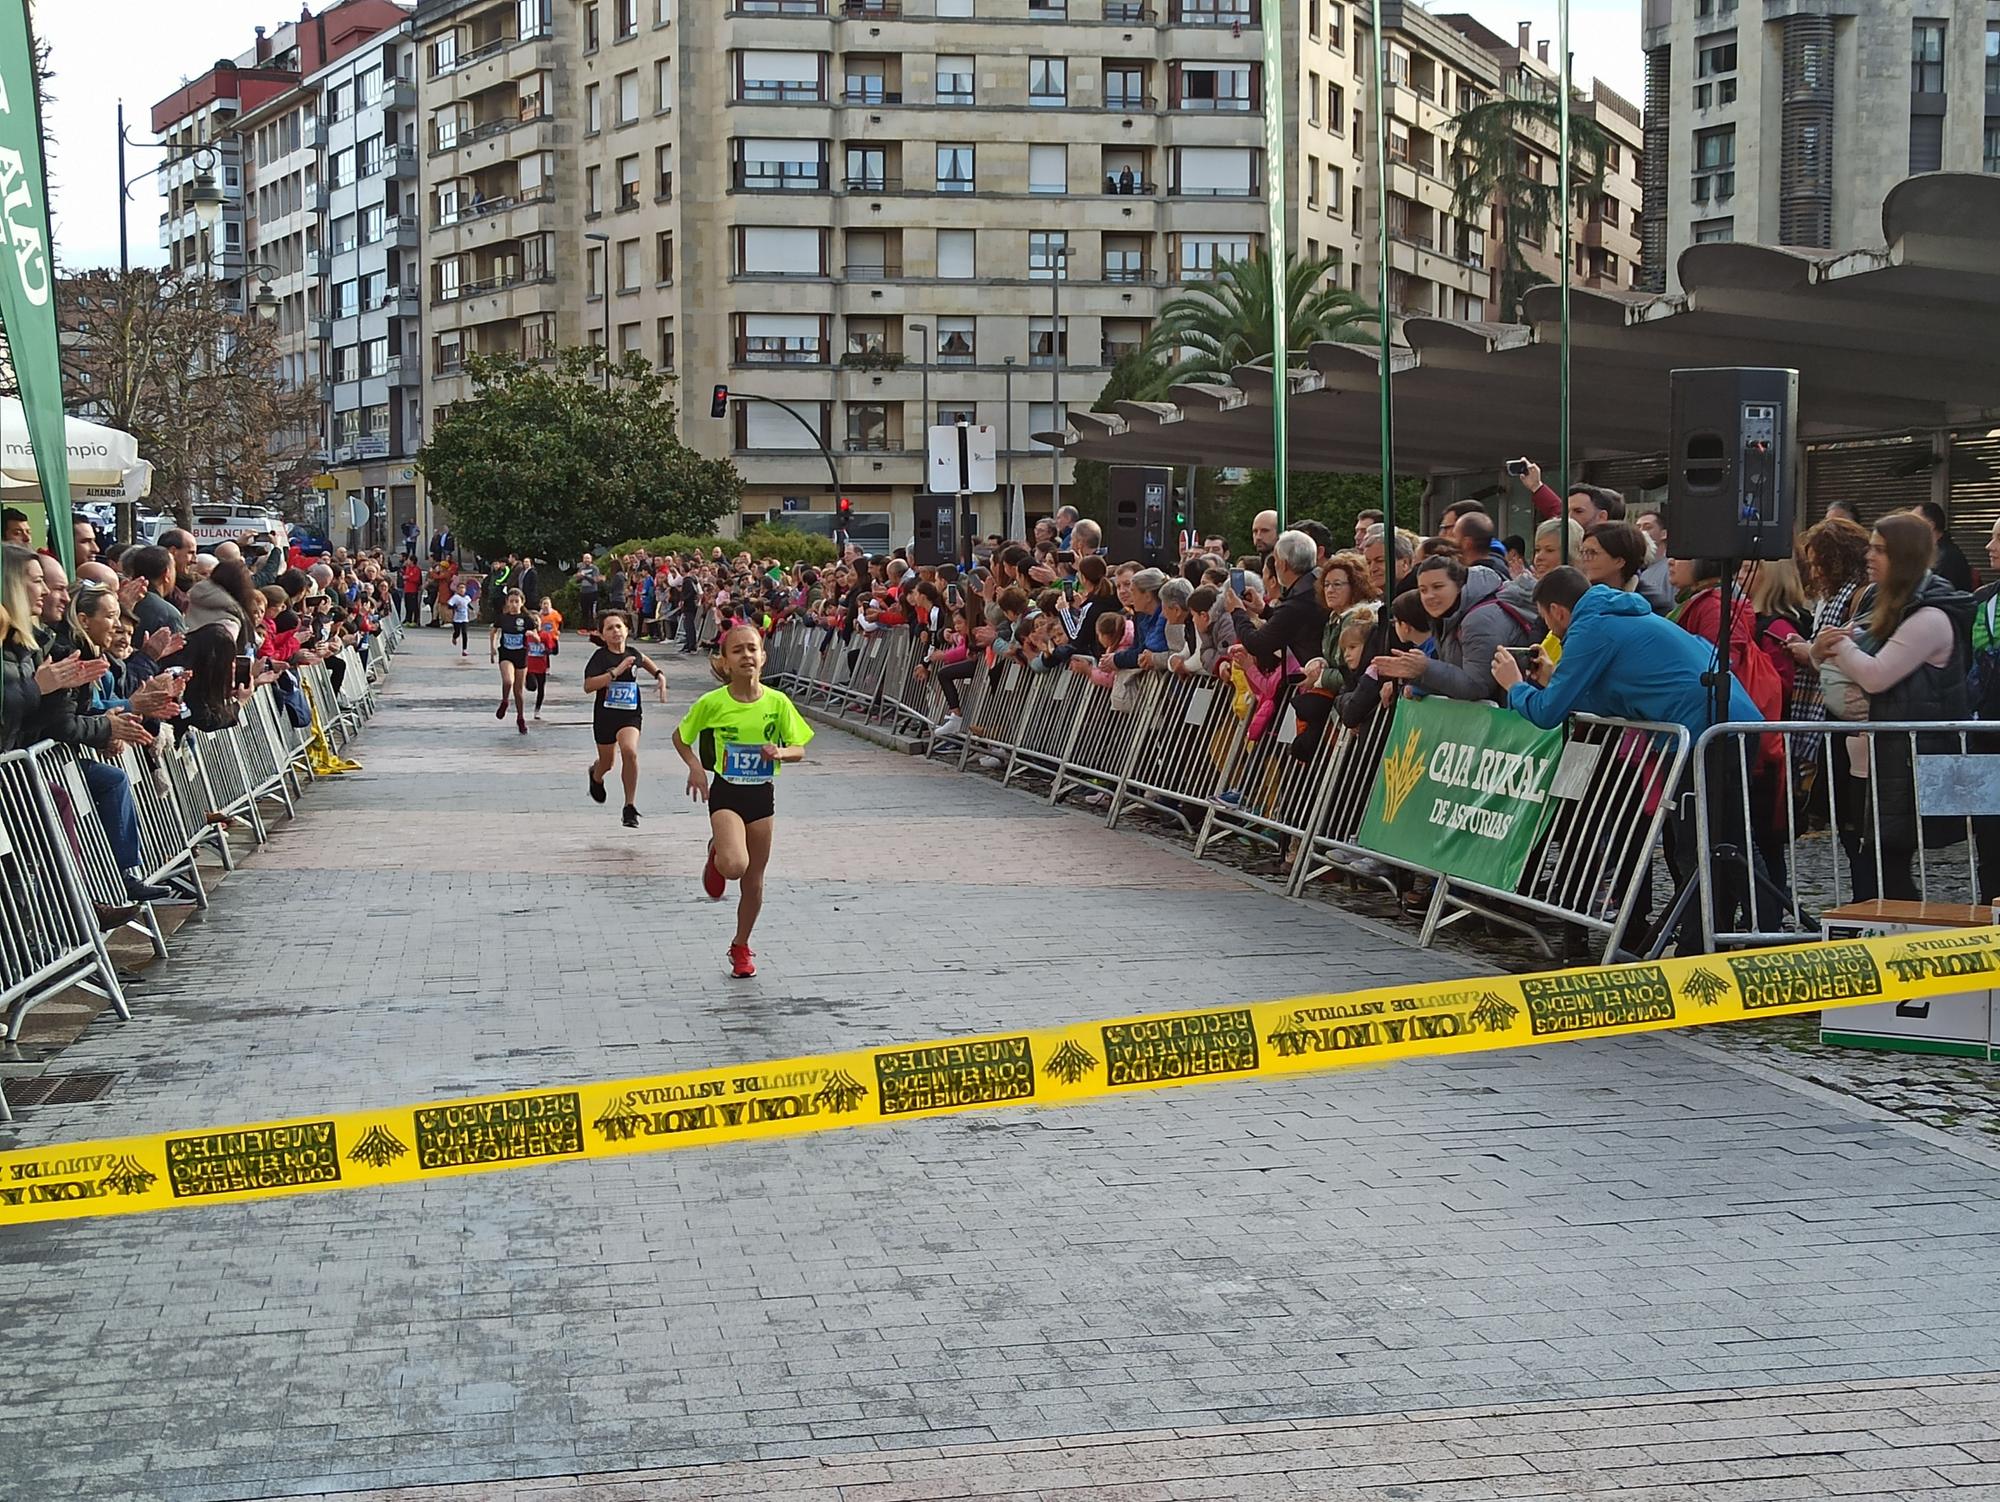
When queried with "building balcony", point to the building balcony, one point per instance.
{"points": [[400, 94], [872, 271], [779, 91], [486, 207], [1130, 276], [313, 200], [400, 232], [401, 162], [1117, 349], [1128, 13], [320, 330], [404, 372], [1131, 104], [871, 182], [1123, 185], [778, 177], [319, 265], [312, 132], [873, 96], [761, 349]]}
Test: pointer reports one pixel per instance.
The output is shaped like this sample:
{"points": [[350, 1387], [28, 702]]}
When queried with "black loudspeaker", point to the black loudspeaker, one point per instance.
{"points": [[1733, 463], [1141, 528], [936, 530]]}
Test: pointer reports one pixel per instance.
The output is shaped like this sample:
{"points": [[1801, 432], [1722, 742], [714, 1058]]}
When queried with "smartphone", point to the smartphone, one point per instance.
{"points": [[1238, 580], [1524, 657], [1517, 467], [1066, 558]]}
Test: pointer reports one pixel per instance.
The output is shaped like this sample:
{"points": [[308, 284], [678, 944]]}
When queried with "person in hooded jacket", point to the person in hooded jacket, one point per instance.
{"points": [[1474, 615], [218, 627], [1909, 649]]}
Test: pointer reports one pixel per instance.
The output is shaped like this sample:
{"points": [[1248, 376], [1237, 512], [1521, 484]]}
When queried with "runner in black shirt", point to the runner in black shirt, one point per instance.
{"points": [[612, 674], [508, 645]]}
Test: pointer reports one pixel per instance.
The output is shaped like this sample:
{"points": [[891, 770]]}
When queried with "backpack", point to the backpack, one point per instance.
{"points": [[1760, 682]]}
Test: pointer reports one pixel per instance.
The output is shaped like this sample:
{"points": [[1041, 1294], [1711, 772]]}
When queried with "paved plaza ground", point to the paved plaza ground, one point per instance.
{"points": [[1637, 1268]]}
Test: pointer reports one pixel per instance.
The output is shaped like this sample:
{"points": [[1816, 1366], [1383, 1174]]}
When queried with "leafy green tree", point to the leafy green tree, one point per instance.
{"points": [[1493, 171], [1333, 498], [1137, 377], [545, 460], [1206, 331]]}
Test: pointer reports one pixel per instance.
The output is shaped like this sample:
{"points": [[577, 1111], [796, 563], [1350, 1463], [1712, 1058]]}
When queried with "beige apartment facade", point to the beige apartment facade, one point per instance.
{"points": [[500, 207], [1788, 122]]}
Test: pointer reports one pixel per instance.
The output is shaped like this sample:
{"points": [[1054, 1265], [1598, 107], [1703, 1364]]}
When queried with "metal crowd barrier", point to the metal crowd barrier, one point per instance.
{"points": [[60, 882], [1851, 810]]}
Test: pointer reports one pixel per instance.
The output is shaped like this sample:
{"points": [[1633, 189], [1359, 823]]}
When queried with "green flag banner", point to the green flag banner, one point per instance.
{"points": [[1462, 789], [27, 278]]}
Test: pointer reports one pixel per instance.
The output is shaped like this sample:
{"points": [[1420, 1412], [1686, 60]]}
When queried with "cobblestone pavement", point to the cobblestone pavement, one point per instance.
{"points": [[1601, 1228]]}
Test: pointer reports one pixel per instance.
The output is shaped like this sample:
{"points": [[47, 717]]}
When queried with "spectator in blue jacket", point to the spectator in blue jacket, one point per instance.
{"points": [[1149, 620], [1622, 661]]}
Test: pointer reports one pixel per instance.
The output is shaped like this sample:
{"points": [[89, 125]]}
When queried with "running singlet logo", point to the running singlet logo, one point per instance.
{"points": [[623, 693], [745, 764]]}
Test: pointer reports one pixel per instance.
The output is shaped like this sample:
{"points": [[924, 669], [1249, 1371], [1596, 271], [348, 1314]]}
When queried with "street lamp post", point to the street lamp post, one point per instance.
{"points": [[1058, 269], [924, 329], [1007, 437], [605, 290]]}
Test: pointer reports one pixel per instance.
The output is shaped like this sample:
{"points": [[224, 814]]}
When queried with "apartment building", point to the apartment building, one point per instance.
{"points": [[1788, 122], [500, 196], [198, 123]]}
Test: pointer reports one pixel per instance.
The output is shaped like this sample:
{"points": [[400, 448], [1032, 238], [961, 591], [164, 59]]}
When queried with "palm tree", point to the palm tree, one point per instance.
{"points": [[1205, 331], [1490, 172]]}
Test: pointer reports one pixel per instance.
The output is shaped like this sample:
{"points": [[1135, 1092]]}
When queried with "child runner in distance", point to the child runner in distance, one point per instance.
{"points": [[461, 617], [739, 733], [612, 674], [508, 644], [540, 641]]}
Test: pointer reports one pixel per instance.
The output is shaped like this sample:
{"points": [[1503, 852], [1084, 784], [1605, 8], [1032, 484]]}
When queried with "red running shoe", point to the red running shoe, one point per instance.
{"points": [[742, 964], [711, 879]]}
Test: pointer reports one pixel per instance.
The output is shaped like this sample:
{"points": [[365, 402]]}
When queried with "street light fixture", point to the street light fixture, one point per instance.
{"points": [[925, 330], [1058, 269]]}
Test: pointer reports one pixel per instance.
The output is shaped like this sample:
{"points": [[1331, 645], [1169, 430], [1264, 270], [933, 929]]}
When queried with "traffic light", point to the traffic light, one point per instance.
{"points": [[845, 508], [718, 403]]}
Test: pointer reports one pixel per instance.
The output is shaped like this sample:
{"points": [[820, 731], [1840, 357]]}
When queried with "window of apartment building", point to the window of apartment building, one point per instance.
{"points": [[1992, 66], [340, 101], [953, 9], [368, 86], [1223, 87], [1717, 55], [340, 236], [1926, 143], [627, 12], [867, 169], [1048, 81], [663, 85], [533, 18], [376, 420], [957, 341], [783, 339], [630, 266], [368, 153], [444, 129], [780, 77], [375, 290], [1927, 57], [444, 54], [375, 357], [537, 256], [347, 295], [346, 427], [1312, 98], [954, 80], [1048, 341], [346, 363], [629, 337], [628, 97], [663, 172], [663, 12], [1990, 158], [1715, 164], [1046, 417], [593, 109], [593, 271], [1336, 28], [867, 426], [954, 169], [663, 257], [593, 190], [590, 28], [340, 169], [1312, 182], [663, 339], [628, 182], [769, 164], [1048, 169], [1336, 189], [1048, 255], [1336, 109], [371, 223], [1201, 254], [448, 353], [1714, 231], [956, 258]]}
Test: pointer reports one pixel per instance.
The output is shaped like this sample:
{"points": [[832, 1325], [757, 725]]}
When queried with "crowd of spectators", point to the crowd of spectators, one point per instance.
{"points": [[141, 643], [1863, 624]]}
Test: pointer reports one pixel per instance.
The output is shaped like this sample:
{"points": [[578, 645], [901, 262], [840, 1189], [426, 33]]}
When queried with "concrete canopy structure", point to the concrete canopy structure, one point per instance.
{"points": [[1895, 338]]}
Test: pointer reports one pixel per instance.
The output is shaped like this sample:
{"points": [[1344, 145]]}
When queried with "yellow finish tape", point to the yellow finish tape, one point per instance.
{"points": [[1041, 1066]]}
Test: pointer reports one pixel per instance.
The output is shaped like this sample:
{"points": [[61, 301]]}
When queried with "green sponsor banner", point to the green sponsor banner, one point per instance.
{"points": [[27, 279], [1462, 789]]}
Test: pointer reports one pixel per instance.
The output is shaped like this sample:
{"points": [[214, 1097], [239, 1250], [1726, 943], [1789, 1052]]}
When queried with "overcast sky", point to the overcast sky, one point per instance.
{"points": [[140, 50]]}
